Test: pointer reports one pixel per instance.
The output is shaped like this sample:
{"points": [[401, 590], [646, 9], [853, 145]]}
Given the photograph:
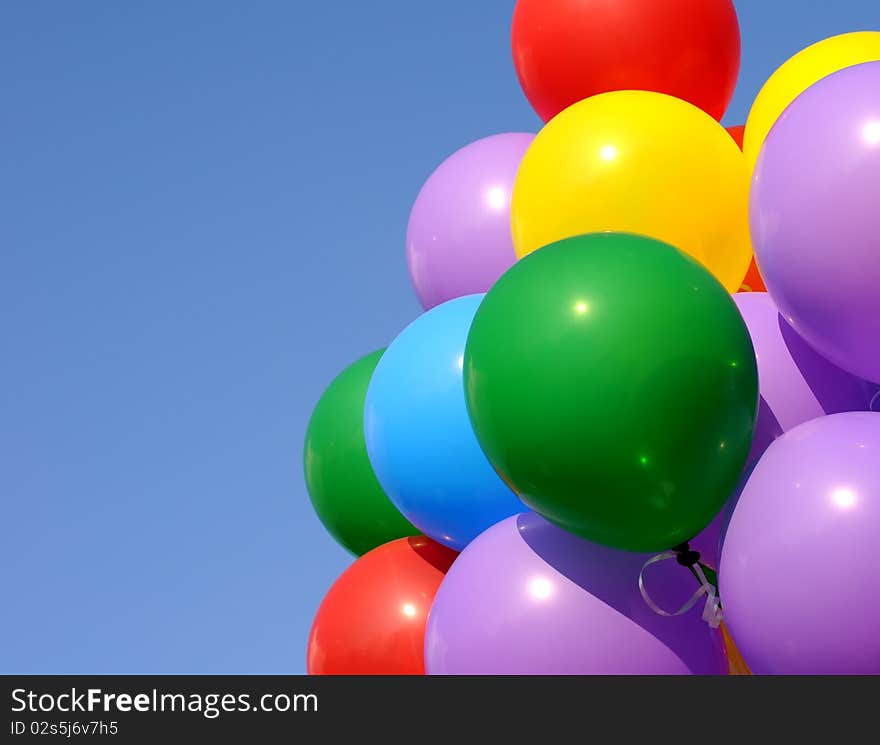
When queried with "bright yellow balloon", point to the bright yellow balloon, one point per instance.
{"points": [[637, 162], [807, 67]]}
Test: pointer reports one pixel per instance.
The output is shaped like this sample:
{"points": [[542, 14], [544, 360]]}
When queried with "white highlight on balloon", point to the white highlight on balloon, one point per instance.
{"points": [[871, 132], [845, 499], [496, 198], [608, 152], [540, 588], [409, 610]]}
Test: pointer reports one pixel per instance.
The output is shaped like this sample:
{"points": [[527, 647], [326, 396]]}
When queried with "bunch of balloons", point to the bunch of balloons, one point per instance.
{"points": [[646, 378]]}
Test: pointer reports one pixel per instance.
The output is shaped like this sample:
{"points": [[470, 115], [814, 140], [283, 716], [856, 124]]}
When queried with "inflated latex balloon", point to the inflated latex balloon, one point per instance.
{"points": [[419, 437], [527, 598], [800, 72], [612, 383], [641, 163], [568, 50], [798, 575], [873, 392], [737, 132], [815, 217], [738, 665], [372, 621], [458, 239], [796, 384], [340, 480], [753, 281]]}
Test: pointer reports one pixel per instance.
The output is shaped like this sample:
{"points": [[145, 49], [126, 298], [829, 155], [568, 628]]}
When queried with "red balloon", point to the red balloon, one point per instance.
{"points": [[372, 622], [753, 282], [737, 133], [568, 50]]}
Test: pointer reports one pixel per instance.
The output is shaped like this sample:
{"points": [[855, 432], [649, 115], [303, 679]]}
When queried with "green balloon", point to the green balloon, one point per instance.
{"points": [[611, 381], [339, 477]]}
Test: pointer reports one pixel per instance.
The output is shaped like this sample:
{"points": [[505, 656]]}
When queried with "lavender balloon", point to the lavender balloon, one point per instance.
{"points": [[796, 384], [799, 578], [815, 218], [528, 598], [458, 241]]}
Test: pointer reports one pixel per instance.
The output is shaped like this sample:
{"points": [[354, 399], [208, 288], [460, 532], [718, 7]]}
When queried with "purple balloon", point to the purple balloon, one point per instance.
{"points": [[796, 384], [458, 241], [873, 397], [815, 217], [526, 597], [798, 575]]}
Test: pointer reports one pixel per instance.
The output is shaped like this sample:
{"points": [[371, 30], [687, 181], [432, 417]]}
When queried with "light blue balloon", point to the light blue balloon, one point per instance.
{"points": [[419, 436]]}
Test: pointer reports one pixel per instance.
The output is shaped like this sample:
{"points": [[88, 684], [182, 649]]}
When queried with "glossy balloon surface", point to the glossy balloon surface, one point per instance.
{"points": [[341, 483], [458, 239], [612, 383], [372, 621], [798, 575], [568, 50], [642, 163], [807, 67], [527, 598], [815, 217], [796, 384], [419, 437]]}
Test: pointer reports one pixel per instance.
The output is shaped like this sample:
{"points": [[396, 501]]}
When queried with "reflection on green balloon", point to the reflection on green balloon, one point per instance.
{"points": [[339, 477], [612, 383]]}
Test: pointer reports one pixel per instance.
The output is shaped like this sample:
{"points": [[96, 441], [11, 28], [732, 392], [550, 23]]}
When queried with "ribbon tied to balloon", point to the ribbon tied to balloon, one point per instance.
{"points": [[686, 557]]}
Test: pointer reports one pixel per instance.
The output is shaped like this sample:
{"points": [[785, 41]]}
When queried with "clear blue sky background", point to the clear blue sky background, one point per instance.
{"points": [[202, 218]]}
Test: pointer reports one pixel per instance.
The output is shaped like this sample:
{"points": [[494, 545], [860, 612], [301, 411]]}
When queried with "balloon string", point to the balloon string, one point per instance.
{"points": [[712, 613], [875, 402]]}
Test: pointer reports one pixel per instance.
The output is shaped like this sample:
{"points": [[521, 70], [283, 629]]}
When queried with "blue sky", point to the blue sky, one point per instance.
{"points": [[203, 216]]}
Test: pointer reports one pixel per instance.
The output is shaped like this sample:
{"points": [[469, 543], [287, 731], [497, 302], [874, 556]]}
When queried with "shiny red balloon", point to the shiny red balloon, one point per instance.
{"points": [[372, 622], [568, 50]]}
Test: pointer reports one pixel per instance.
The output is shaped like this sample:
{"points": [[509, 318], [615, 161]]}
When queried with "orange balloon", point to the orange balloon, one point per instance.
{"points": [[737, 663], [372, 621]]}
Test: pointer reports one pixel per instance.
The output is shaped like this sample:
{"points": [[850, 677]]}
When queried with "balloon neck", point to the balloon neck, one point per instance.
{"points": [[685, 555]]}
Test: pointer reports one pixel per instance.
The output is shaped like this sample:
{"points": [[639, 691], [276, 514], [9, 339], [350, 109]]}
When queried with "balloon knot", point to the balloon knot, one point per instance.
{"points": [[685, 555]]}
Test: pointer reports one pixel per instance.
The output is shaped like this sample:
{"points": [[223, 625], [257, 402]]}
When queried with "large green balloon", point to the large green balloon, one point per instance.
{"points": [[339, 477], [612, 383]]}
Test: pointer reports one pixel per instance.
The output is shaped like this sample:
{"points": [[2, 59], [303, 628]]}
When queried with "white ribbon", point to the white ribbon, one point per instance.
{"points": [[712, 613], [875, 402]]}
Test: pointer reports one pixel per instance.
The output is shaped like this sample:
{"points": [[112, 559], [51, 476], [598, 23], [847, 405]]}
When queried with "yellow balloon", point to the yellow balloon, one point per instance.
{"points": [[807, 67], [637, 162]]}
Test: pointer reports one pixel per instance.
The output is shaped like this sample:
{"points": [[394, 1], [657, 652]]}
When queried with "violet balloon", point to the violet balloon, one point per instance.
{"points": [[796, 384], [798, 575], [815, 219], [458, 240], [873, 397], [529, 598]]}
